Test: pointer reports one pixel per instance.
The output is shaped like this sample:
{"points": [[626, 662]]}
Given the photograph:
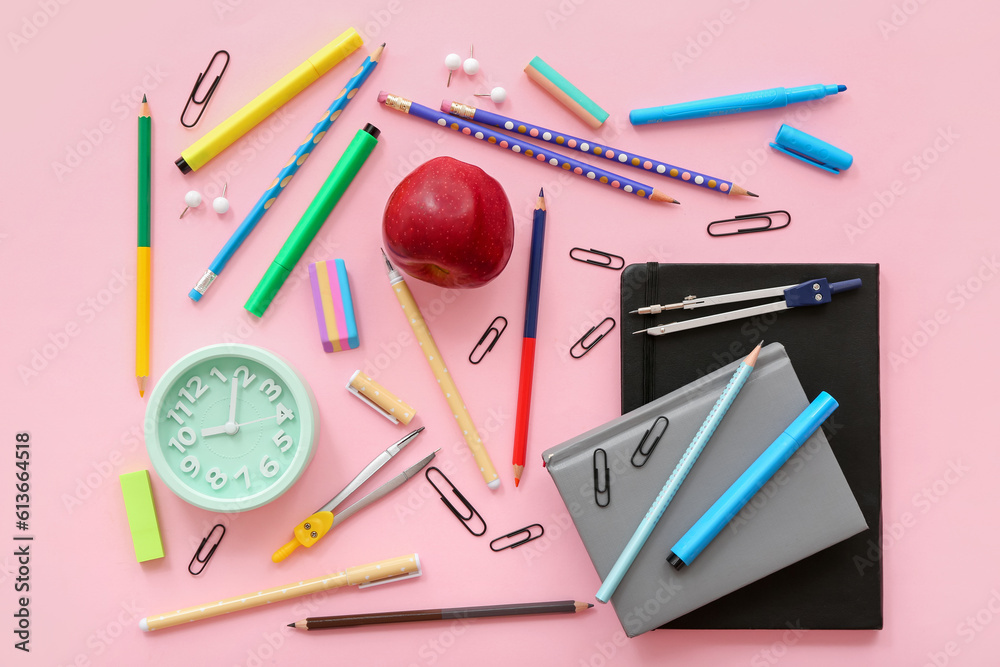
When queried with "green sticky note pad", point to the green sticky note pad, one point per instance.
{"points": [[142, 521]]}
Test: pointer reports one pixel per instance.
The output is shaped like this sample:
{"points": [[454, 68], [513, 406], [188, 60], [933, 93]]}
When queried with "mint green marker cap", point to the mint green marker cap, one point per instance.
{"points": [[312, 220]]}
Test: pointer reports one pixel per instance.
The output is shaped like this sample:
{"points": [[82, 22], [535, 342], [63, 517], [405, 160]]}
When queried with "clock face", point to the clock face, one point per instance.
{"points": [[231, 427]]}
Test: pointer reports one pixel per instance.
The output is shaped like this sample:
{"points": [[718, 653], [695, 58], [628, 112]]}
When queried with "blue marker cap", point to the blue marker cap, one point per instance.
{"points": [[811, 150]]}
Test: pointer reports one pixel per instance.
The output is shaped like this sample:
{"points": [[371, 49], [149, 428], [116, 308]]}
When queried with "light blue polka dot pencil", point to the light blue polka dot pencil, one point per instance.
{"points": [[286, 173]]}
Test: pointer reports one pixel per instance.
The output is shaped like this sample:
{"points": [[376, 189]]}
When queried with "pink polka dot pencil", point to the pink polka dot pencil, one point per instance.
{"points": [[525, 148], [593, 148]]}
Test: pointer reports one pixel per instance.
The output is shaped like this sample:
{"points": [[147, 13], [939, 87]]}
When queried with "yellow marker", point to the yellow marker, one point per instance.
{"points": [[224, 134], [393, 569], [430, 351]]}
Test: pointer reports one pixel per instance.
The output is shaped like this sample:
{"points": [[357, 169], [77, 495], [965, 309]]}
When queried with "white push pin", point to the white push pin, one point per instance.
{"points": [[221, 204], [191, 200], [471, 65], [498, 94], [453, 61]]}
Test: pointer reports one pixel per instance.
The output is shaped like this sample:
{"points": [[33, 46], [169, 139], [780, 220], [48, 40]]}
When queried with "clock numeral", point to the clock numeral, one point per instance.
{"points": [[283, 413], [271, 388], [189, 464], [186, 438], [183, 393], [268, 468], [216, 478], [248, 377], [282, 441], [246, 475], [199, 390], [176, 417], [216, 373]]}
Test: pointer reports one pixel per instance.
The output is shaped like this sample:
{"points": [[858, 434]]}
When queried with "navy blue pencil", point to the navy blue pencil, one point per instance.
{"points": [[530, 331]]}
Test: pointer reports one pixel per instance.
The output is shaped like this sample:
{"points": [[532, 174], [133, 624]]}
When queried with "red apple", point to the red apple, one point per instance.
{"points": [[450, 224]]}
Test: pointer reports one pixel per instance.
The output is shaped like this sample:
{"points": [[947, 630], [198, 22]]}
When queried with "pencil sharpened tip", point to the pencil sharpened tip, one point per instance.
{"points": [[589, 605], [752, 194], [291, 625], [675, 202], [541, 192], [144, 97], [517, 482]]}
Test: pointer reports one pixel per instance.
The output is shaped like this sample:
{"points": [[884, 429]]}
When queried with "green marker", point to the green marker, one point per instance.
{"points": [[312, 220]]}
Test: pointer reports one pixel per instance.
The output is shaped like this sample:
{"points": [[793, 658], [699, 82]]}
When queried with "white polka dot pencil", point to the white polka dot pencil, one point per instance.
{"points": [[592, 148], [525, 148], [445, 381], [285, 175], [393, 569]]}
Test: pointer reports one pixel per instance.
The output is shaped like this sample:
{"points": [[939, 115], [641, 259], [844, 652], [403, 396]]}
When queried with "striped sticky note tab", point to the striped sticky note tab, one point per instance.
{"points": [[338, 330]]}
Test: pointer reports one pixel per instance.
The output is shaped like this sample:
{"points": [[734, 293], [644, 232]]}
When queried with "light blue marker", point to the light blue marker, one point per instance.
{"points": [[677, 477], [743, 489], [289, 170], [772, 98]]}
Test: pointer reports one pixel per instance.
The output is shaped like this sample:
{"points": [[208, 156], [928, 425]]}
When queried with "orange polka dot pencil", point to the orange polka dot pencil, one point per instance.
{"points": [[284, 177]]}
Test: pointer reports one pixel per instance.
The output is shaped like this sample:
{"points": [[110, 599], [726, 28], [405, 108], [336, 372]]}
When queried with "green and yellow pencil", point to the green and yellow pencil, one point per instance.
{"points": [[144, 251]]}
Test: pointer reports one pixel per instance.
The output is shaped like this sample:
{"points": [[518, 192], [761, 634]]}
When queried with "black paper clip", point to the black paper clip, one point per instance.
{"points": [[458, 494], [197, 554], [587, 347], [526, 530], [766, 215], [486, 333], [203, 102], [598, 491], [647, 454], [607, 263]]}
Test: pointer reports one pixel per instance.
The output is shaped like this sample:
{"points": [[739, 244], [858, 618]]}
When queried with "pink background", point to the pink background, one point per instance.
{"points": [[919, 79]]}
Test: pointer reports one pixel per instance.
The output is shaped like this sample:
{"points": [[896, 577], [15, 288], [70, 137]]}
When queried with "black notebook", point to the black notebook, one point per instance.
{"points": [[835, 348]]}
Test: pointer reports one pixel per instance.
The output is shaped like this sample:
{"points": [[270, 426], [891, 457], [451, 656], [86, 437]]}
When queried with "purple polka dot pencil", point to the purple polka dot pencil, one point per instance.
{"points": [[523, 147], [592, 148]]}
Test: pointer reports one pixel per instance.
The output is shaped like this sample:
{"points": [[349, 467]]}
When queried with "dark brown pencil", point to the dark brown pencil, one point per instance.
{"points": [[523, 609]]}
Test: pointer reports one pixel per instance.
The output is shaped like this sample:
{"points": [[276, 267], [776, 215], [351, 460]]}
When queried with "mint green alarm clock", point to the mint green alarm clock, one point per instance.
{"points": [[230, 428]]}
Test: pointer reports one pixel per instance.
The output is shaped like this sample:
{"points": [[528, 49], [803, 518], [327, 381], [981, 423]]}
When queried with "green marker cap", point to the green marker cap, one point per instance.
{"points": [[267, 289]]}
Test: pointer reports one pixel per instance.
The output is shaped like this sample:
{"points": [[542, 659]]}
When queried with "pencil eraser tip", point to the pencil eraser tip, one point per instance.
{"points": [[195, 295], [494, 485], [144, 625], [382, 97], [446, 105]]}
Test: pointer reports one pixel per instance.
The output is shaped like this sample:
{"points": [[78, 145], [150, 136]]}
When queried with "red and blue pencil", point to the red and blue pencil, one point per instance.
{"points": [[530, 331]]}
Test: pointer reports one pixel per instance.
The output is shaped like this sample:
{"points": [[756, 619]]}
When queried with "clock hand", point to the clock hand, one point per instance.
{"points": [[257, 420], [232, 401], [215, 430]]}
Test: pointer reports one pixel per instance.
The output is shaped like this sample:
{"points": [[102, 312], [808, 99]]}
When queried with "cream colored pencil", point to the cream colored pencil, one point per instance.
{"points": [[430, 351], [401, 566]]}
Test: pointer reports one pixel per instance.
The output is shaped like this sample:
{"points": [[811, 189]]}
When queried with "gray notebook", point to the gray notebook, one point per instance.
{"points": [[806, 507]]}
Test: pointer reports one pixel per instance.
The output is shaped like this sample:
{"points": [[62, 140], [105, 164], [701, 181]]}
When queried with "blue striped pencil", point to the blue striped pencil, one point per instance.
{"points": [[525, 148], [593, 148], [285, 175], [528, 345], [677, 477]]}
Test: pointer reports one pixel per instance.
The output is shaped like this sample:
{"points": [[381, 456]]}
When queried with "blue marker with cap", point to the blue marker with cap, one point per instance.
{"points": [[811, 150], [772, 98], [743, 489]]}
